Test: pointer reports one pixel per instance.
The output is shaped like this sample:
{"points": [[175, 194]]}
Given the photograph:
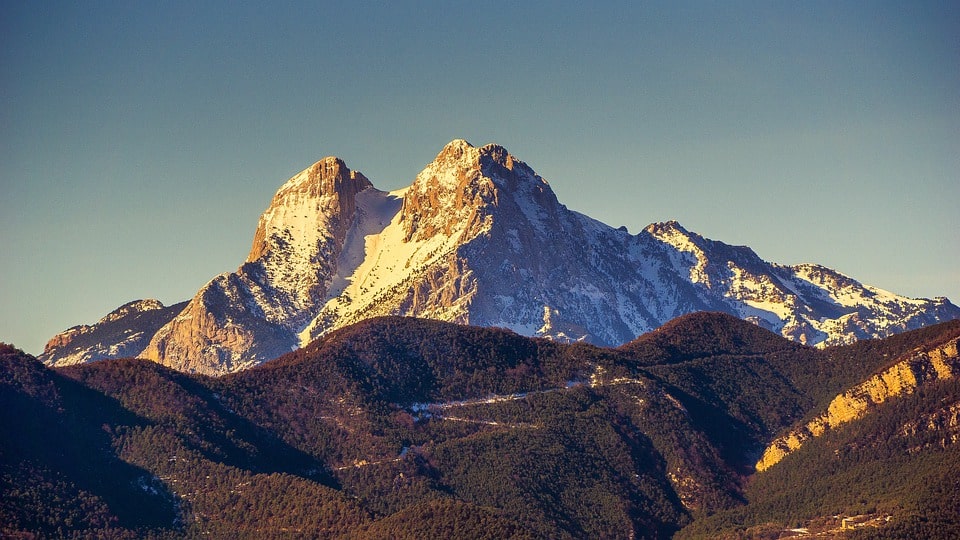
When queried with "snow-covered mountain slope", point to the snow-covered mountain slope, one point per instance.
{"points": [[479, 238], [123, 332]]}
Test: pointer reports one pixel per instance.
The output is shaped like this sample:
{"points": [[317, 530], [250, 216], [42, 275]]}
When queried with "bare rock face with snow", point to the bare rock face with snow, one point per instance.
{"points": [[251, 315], [123, 332], [479, 238]]}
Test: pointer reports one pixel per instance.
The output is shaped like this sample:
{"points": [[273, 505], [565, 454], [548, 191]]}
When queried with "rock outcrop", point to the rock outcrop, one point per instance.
{"points": [[904, 377]]}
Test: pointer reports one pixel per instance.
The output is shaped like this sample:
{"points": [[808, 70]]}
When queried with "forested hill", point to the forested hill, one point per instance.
{"points": [[406, 428]]}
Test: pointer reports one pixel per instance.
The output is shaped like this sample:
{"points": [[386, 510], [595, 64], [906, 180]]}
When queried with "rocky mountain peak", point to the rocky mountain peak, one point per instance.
{"points": [[137, 306], [328, 176], [455, 150], [446, 194], [498, 154], [509, 173], [322, 197], [466, 185], [667, 229]]}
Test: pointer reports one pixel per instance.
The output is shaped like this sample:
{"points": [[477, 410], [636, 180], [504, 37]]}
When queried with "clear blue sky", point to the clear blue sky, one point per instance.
{"points": [[139, 141]]}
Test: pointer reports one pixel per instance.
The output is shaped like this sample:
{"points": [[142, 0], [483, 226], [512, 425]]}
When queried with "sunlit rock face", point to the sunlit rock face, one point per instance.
{"points": [[904, 377]]}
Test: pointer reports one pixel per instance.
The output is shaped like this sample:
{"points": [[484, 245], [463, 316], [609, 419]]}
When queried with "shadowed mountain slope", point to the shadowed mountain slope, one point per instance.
{"points": [[395, 427]]}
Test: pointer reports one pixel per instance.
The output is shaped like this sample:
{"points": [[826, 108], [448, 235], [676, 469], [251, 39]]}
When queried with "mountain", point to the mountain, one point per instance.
{"points": [[479, 238], [401, 428]]}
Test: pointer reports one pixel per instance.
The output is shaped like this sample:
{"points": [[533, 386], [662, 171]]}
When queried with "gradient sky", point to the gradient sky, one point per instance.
{"points": [[140, 141]]}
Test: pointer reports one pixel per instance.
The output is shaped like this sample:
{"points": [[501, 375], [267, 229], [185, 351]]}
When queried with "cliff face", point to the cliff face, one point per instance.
{"points": [[938, 363], [449, 196]]}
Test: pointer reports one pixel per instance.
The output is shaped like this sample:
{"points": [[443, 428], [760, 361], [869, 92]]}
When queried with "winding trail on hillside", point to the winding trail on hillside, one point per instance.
{"points": [[438, 410]]}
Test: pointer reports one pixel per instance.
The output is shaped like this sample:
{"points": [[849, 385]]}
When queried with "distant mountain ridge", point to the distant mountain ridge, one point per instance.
{"points": [[479, 238]]}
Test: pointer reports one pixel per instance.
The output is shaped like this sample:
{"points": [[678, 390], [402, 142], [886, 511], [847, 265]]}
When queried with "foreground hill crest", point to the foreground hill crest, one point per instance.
{"points": [[478, 238], [398, 427]]}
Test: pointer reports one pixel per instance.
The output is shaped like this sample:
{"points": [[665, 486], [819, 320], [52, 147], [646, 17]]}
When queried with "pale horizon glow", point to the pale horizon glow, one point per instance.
{"points": [[141, 142]]}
